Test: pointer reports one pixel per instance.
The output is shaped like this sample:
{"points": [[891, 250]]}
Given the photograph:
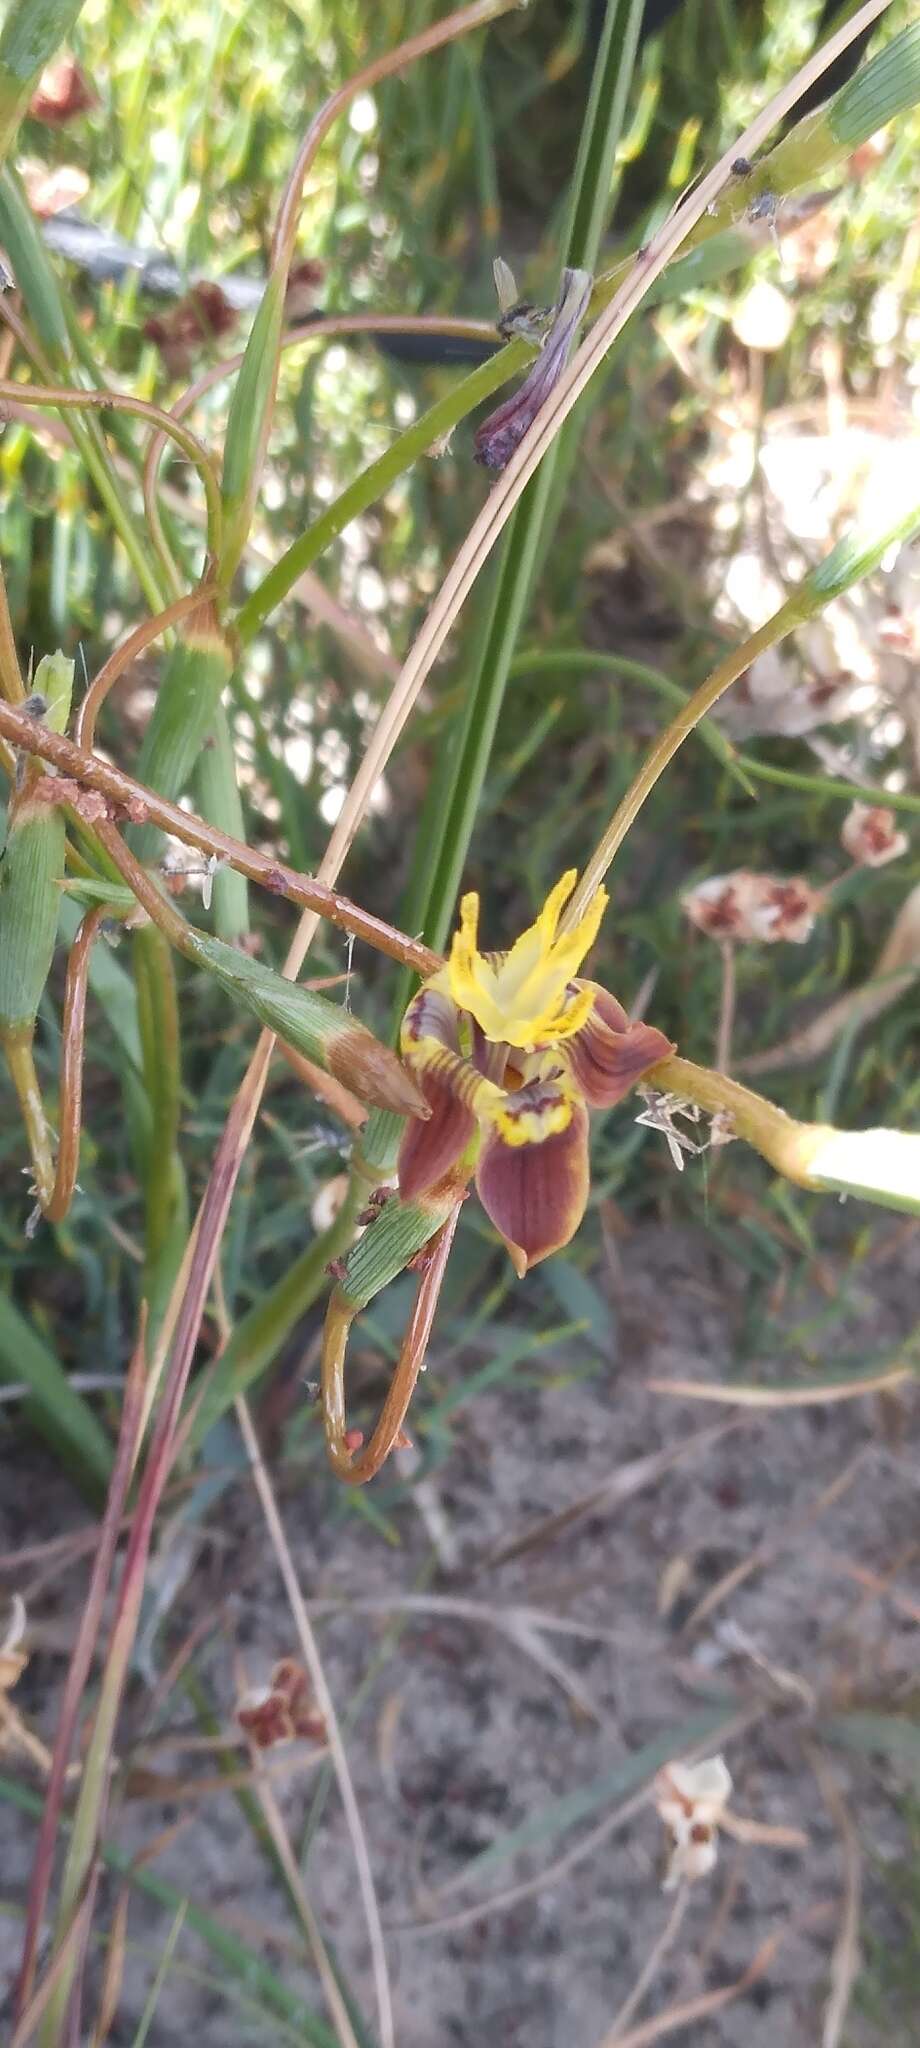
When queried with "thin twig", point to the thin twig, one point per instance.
{"points": [[845, 1959], [105, 1540], [326, 1708], [142, 805], [649, 1971]]}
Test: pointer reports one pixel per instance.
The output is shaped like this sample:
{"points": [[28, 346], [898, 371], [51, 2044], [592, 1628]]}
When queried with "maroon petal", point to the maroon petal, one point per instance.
{"points": [[533, 1175], [609, 1054], [429, 1150]]}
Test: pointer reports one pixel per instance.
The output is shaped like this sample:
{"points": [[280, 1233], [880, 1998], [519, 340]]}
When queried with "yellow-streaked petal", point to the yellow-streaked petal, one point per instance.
{"points": [[519, 997], [533, 1175]]}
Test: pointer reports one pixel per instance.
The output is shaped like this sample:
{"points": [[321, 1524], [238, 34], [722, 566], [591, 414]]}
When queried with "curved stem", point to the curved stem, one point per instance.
{"points": [[65, 399], [93, 449], [789, 1146], [70, 1112], [662, 753], [356, 1468], [318, 330], [135, 644]]}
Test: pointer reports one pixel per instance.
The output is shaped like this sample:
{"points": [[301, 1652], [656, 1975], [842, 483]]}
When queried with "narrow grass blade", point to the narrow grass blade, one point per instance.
{"points": [[62, 1417]]}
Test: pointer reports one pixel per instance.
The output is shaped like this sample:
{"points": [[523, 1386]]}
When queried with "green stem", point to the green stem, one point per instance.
{"points": [[158, 1022], [852, 559], [720, 242], [258, 1336], [21, 1063], [588, 215], [31, 33]]}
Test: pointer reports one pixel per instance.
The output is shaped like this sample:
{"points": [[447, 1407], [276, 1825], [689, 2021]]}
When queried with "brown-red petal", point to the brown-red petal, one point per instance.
{"points": [[429, 1150], [609, 1054], [536, 1193]]}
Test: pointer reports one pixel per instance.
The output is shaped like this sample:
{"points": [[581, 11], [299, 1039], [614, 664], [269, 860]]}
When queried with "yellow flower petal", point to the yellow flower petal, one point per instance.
{"points": [[519, 997]]}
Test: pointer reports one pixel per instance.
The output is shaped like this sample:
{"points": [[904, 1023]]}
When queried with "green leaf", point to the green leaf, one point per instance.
{"points": [[634, 1770], [60, 1415], [894, 1736]]}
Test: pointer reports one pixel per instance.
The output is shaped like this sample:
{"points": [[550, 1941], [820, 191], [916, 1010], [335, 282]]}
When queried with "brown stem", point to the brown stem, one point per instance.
{"points": [[356, 1468], [64, 398], [12, 686], [70, 1111], [143, 806], [135, 644]]}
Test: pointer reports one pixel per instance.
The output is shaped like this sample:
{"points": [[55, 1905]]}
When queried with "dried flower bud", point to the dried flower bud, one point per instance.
{"points": [[743, 905], [691, 1800], [204, 315], [300, 292], [500, 434], [62, 91], [869, 835], [284, 1710]]}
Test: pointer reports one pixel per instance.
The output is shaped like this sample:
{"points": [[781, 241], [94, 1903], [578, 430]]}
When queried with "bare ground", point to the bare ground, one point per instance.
{"points": [[463, 1725]]}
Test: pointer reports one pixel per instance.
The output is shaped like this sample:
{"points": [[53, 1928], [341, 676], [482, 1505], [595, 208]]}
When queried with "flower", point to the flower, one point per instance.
{"points": [[691, 1800], [747, 906], [510, 1051], [285, 1710], [204, 315], [62, 91], [870, 837], [497, 438]]}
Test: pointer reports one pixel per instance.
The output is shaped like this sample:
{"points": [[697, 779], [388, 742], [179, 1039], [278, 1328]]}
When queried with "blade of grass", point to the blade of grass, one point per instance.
{"points": [[237, 1960], [62, 1417]]}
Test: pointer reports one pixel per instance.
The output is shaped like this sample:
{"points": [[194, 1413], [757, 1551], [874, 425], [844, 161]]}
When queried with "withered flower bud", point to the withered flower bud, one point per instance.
{"points": [[500, 434]]}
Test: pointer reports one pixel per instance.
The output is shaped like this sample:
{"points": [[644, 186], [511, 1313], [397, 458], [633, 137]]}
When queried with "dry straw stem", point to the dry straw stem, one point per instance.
{"points": [[845, 1960], [709, 2002], [506, 492], [252, 407], [105, 1540], [271, 1814], [650, 1968], [785, 1397], [326, 1707]]}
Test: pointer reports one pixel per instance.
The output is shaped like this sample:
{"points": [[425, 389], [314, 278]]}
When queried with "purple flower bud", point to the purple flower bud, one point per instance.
{"points": [[499, 435]]}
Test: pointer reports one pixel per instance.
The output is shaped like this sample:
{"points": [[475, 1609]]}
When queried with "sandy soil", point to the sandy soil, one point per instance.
{"points": [[617, 1510]]}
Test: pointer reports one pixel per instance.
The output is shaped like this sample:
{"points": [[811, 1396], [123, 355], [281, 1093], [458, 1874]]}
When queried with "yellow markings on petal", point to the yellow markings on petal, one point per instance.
{"points": [[519, 998], [533, 1126]]}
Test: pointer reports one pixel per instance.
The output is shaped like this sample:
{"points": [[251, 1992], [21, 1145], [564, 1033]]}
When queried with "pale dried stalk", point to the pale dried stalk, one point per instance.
{"points": [[326, 1708]]}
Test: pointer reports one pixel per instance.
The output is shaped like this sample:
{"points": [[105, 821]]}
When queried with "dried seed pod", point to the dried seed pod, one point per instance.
{"points": [[325, 1033]]}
